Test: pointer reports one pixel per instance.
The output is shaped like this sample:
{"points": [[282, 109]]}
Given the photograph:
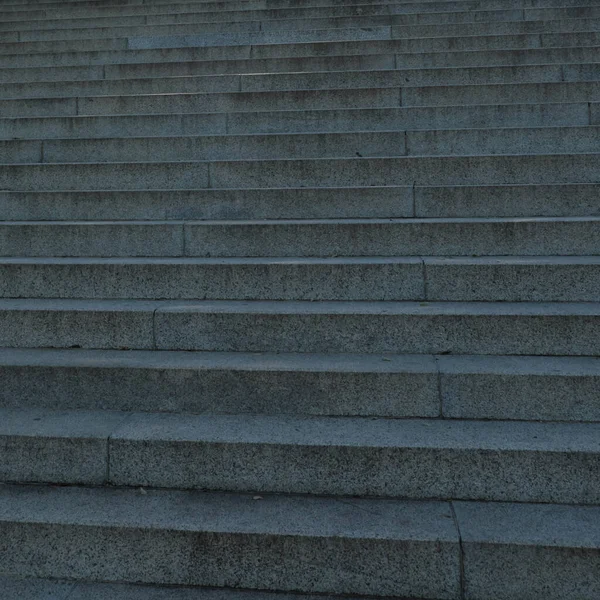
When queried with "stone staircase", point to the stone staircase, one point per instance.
{"points": [[299, 297]]}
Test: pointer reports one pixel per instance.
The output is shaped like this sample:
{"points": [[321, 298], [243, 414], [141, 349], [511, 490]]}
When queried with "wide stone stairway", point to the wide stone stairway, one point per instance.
{"points": [[299, 296]]}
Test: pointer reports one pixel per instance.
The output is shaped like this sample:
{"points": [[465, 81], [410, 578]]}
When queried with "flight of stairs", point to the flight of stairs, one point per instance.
{"points": [[299, 296]]}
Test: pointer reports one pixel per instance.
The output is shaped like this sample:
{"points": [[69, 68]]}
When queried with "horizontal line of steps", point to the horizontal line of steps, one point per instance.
{"points": [[70, 57], [318, 18], [386, 385], [205, 537], [304, 121], [567, 200], [318, 80], [325, 99], [553, 329], [228, 11], [512, 279], [419, 12], [365, 144], [343, 63], [475, 237], [397, 26], [464, 460], [326, 42], [330, 172]]}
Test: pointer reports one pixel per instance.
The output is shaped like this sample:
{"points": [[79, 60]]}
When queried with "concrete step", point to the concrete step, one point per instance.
{"points": [[64, 56], [552, 329], [248, 102], [256, 9], [467, 460], [348, 172], [106, 527], [375, 62], [557, 200], [304, 121], [367, 144], [323, 80], [372, 41], [556, 279], [539, 236], [155, 35], [390, 385]]}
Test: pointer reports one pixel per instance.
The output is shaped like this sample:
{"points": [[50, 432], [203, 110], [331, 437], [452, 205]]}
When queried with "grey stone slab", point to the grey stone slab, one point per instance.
{"points": [[393, 237], [439, 328], [352, 456], [282, 543], [389, 201], [74, 73], [98, 238], [542, 388], [508, 201], [500, 93], [105, 176], [512, 140], [183, 41], [513, 279], [266, 383], [237, 102], [447, 170], [264, 65], [223, 147], [326, 120], [411, 77], [57, 447], [76, 323], [216, 279], [534, 552], [35, 589], [165, 85]]}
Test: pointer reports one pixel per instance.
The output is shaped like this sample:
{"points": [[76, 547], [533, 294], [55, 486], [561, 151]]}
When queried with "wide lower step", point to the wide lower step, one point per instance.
{"points": [[389, 385], [473, 460], [294, 173], [318, 121], [293, 326], [306, 203], [305, 100], [115, 52], [304, 64], [195, 538], [512, 279], [322, 80]]}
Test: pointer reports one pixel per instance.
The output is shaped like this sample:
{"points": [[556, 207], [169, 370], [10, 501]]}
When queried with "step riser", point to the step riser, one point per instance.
{"points": [[300, 239], [522, 388], [445, 282], [364, 172], [464, 201], [531, 115], [213, 559], [310, 81], [562, 335], [151, 451], [316, 145]]}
